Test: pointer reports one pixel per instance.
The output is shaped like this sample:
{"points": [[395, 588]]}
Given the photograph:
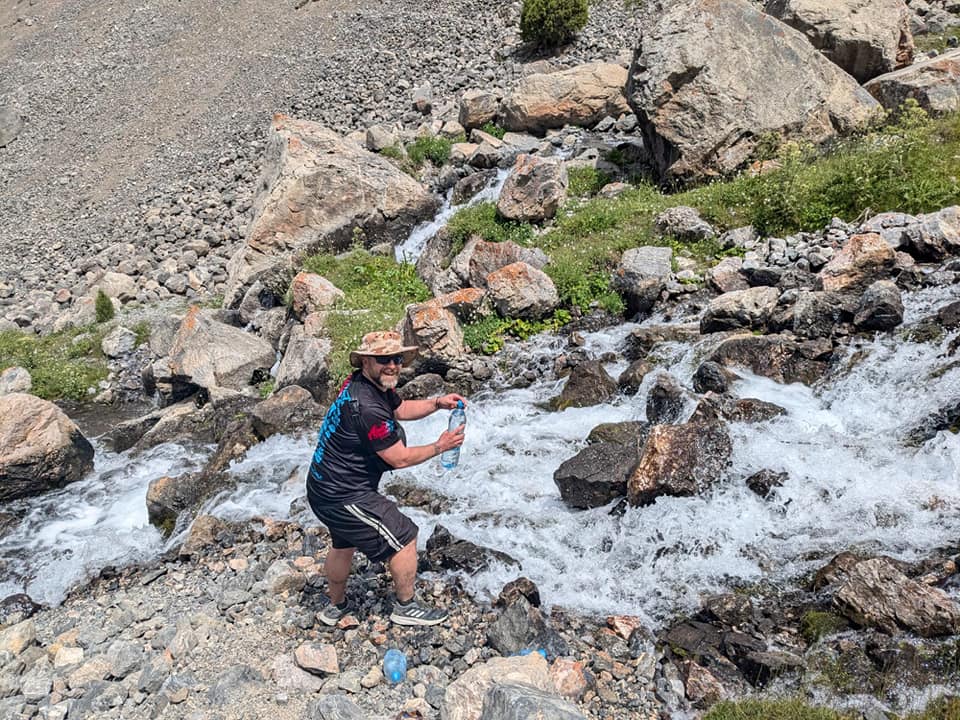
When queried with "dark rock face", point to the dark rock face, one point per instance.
{"points": [[589, 384], [880, 307], [778, 357], [631, 378], [640, 341], [817, 313], [451, 553], [471, 185], [764, 481], [710, 377], [17, 608], [523, 626], [631, 434], [516, 588], [665, 401], [946, 418], [596, 475], [949, 315]]}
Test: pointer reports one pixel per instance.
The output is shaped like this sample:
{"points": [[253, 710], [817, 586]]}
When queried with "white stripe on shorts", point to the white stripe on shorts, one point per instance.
{"points": [[376, 525]]}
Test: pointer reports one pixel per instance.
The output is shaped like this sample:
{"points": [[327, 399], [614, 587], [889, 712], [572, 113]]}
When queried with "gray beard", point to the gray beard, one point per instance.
{"points": [[388, 382]]}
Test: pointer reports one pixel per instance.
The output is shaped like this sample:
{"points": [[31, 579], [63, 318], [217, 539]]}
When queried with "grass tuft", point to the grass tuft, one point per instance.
{"points": [[62, 365]]}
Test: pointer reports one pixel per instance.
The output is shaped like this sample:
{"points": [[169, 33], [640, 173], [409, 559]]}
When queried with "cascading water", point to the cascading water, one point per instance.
{"points": [[61, 537], [852, 483]]}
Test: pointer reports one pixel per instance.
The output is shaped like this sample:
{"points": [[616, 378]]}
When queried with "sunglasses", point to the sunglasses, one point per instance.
{"points": [[387, 359]]}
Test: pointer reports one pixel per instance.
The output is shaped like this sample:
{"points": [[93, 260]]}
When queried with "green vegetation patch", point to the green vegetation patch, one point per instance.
{"points": [[586, 181], [911, 165], [434, 149], [488, 334], [61, 365], [550, 23], [103, 307], [377, 290], [482, 220], [772, 710], [493, 129], [816, 624]]}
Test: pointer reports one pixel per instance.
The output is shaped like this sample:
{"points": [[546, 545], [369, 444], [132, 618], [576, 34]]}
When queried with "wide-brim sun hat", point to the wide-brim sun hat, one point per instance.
{"points": [[383, 343]]}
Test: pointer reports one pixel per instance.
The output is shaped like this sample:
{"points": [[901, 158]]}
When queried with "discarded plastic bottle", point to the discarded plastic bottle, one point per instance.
{"points": [[394, 666], [527, 651], [458, 417]]}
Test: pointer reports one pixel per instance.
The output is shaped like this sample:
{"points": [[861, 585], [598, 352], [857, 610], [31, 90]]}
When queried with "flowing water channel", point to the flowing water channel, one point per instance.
{"points": [[852, 484]]}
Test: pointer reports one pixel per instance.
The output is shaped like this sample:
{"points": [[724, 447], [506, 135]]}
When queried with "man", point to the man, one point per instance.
{"points": [[359, 440]]}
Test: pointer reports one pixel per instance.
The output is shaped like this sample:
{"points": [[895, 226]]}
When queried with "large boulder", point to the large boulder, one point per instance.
{"points": [[40, 447], [935, 235], [816, 313], [15, 380], [749, 309], [934, 84], [877, 594], [207, 354], [863, 259], [778, 357], [595, 475], [520, 290], [582, 95], [641, 276], [679, 460], [479, 258], [534, 189], [435, 331], [864, 37], [320, 191], [706, 98]]}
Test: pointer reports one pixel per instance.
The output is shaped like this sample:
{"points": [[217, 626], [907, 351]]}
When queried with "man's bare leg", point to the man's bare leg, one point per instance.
{"points": [[403, 569], [337, 570]]}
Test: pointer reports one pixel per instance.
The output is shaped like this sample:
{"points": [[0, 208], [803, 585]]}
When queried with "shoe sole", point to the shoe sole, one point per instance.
{"points": [[329, 622], [405, 620]]}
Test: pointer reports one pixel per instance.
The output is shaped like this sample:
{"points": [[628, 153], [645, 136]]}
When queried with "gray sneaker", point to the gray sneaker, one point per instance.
{"points": [[332, 614], [416, 613]]}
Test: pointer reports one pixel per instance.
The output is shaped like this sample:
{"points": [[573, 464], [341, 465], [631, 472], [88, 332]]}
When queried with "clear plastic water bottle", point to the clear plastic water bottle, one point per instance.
{"points": [[394, 666], [458, 417]]}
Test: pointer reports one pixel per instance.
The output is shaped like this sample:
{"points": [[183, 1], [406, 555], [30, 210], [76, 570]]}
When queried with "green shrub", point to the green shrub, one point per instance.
{"points": [[434, 149], [61, 365], [376, 291], [488, 334], [586, 181], [551, 23], [493, 129], [103, 306]]}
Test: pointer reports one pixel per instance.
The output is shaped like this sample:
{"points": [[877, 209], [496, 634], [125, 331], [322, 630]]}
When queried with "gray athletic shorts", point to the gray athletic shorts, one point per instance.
{"points": [[373, 525]]}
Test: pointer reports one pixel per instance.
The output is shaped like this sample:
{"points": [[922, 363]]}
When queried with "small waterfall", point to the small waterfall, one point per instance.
{"points": [[410, 249]]}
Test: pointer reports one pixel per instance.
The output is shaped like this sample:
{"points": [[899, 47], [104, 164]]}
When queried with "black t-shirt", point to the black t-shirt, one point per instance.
{"points": [[345, 464]]}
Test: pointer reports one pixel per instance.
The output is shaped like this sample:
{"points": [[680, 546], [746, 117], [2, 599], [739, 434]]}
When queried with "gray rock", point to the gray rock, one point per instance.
{"points": [[508, 701], [705, 124], [471, 185], [119, 342], [588, 384], [232, 684], [683, 223], [880, 307], [876, 594], [641, 276], [15, 380], [125, 657], [595, 475], [933, 83], [520, 290], [534, 190], [335, 707], [478, 107], [665, 400], [864, 37], [305, 362], [749, 309]]}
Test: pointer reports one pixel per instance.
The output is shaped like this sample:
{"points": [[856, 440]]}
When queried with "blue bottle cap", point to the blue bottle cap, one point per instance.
{"points": [[396, 676], [459, 404]]}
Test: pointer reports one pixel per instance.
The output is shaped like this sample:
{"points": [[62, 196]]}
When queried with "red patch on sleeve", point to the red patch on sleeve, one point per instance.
{"points": [[378, 432]]}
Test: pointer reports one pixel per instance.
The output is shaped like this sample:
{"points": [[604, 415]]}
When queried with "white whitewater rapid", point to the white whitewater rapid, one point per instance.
{"points": [[852, 484]]}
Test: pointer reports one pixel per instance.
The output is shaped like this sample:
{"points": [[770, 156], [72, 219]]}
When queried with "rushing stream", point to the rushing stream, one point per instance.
{"points": [[851, 484]]}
